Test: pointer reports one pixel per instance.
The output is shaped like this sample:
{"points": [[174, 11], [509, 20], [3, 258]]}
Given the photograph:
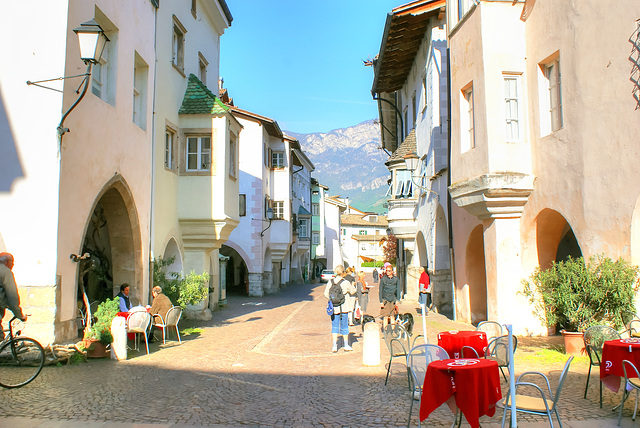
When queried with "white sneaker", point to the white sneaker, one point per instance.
{"points": [[348, 348], [335, 348]]}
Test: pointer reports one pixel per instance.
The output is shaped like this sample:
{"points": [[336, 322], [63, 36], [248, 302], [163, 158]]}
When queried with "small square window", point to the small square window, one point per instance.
{"points": [[198, 153], [278, 210], [277, 160]]}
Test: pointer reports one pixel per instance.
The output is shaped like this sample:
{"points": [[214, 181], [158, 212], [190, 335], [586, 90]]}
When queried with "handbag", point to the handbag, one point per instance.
{"points": [[329, 307]]}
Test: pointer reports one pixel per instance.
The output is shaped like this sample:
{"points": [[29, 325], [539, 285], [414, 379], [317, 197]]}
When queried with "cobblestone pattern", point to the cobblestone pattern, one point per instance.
{"points": [[264, 361]]}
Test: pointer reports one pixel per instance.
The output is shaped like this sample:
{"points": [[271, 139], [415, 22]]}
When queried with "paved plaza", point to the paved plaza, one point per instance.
{"points": [[265, 362]]}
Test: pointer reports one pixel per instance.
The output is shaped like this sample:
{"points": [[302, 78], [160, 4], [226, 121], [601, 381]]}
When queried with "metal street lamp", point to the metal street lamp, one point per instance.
{"points": [[270, 218], [92, 41]]}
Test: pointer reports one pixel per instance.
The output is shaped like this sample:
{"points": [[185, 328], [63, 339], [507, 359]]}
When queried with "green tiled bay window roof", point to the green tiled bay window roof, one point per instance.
{"points": [[198, 99]]}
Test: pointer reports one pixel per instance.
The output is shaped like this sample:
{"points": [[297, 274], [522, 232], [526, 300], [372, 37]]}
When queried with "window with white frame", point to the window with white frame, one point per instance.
{"points": [[315, 236], [177, 46], [363, 247], [278, 210], [404, 185], [169, 141], [512, 107], [198, 153], [315, 209], [303, 228], [372, 248], [277, 160], [467, 136], [554, 79], [140, 76], [103, 74]]}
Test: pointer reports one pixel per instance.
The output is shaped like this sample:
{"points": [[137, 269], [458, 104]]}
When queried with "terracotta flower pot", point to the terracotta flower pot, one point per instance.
{"points": [[573, 343], [95, 348]]}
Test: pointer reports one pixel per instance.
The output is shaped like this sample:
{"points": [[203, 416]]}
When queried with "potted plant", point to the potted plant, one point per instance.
{"points": [[97, 336], [574, 295]]}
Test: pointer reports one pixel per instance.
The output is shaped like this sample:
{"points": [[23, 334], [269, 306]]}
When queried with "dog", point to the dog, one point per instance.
{"points": [[367, 318], [406, 321]]}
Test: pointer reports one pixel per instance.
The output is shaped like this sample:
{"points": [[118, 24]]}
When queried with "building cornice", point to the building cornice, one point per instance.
{"points": [[497, 195]]}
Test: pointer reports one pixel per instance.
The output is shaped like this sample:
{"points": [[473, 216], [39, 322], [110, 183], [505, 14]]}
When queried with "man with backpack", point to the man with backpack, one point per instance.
{"points": [[335, 291]]}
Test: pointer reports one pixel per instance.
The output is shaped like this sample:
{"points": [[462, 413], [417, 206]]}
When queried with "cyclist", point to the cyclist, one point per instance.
{"points": [[9, 297]]}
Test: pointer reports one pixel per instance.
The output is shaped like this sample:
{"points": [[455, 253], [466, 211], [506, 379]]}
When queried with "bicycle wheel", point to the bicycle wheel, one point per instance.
{"points": [[21, 360]]}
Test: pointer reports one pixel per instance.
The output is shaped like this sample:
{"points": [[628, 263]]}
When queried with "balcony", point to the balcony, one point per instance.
{"points": [[401, 217]]}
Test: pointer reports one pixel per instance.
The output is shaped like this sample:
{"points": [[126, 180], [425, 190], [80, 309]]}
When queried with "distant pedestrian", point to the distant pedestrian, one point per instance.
{"points": [[389, 294], [375, 275], [351, 297], [363, 297], [424, 289], [340, 317]]}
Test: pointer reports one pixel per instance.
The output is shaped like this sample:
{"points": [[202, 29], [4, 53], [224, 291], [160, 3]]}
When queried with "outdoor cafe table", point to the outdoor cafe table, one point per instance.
{"points": [[453, 341], [613, 352], [471, 385]]}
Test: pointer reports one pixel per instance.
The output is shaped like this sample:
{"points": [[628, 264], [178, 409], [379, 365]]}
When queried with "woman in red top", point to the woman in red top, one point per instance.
{"points": [[424, 287]]}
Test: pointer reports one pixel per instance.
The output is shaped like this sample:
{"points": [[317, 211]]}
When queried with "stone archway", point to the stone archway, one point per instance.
{"points": [[172, 250], [237, 273], [476, 275], [112, 237], [554, 238]]}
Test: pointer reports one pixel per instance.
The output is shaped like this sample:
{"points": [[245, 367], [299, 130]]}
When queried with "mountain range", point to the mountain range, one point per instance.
{"points": [[351, 163]]}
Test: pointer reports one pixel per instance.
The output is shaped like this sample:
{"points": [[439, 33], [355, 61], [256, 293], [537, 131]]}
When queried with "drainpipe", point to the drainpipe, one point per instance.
{"points": [[153, 160], [451, 254]]}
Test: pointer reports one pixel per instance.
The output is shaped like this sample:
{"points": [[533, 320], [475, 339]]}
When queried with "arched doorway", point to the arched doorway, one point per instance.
{"points": [[476, 275], [112, 238], [172, 251], [237, 274], [555, 238]]}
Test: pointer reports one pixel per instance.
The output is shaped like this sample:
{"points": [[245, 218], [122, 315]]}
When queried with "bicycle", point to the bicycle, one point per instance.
{"points": [[21, 358]]}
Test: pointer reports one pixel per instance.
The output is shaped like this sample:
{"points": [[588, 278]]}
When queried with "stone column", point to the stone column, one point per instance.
{"points": [[255, 285]]}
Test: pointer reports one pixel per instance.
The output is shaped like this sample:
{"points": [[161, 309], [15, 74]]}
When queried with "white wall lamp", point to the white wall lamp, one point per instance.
{"points": [[92, 41]]}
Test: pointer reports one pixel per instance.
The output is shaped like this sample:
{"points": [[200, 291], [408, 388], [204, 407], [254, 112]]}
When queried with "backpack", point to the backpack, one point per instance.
{"points": [[335, 293]]}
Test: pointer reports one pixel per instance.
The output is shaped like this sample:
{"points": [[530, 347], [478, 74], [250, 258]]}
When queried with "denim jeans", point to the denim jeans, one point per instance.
{"points": [[340, 323]]}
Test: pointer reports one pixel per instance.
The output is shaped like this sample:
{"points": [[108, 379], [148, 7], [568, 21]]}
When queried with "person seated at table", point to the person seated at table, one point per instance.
{"points": [[125, 303], [161, 305]]}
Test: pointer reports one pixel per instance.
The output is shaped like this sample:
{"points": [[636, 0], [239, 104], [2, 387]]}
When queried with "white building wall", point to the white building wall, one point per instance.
{"points": [[29, 162]]}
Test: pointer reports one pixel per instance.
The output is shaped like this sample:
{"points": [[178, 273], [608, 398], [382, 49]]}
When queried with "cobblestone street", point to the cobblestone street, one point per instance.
{"points": [[263, 362]]}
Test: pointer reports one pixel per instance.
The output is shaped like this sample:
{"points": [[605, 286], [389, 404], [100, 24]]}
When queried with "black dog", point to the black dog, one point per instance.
{"points": [[367, 318], [405, 320]]}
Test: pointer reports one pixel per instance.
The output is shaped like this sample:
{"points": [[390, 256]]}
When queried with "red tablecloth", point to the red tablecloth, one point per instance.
{"points": [[613, 352], [472, 385], [453, 341]]}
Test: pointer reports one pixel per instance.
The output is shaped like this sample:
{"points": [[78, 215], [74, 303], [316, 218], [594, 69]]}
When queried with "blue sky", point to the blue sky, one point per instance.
{"points": [[300, 61]]}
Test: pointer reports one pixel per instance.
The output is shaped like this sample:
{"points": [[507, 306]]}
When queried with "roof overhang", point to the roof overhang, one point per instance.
{"points": [[403, 34], [270, 125]]}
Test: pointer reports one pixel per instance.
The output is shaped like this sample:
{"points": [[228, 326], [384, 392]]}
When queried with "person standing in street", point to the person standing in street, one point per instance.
{"points": [[340, 317], [9, 297], [375, 275], [351, 297], [363, 297], [389, 293], [424, 289]]}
